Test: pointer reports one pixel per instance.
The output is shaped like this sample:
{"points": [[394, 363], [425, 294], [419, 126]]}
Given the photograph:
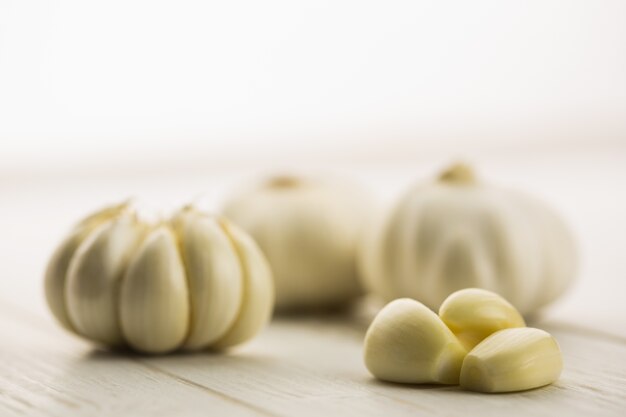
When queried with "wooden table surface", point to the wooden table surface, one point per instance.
{"points": [[307, 365]]}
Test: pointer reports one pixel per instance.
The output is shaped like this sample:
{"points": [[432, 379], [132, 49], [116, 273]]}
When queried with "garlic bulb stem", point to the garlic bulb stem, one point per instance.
{"points": [[459, 173]]}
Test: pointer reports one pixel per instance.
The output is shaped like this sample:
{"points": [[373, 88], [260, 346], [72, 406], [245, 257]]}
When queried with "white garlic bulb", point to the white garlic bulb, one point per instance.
{"points": [[459, 232], [308, 230], [193, 282]]}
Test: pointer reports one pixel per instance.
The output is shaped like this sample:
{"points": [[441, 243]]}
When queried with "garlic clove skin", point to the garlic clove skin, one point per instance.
{"points": [[104, 214], [94, 275], [154, 298], [473, 314], [56, 274], [214, 276], [258, 290], [512, 360], [57, 269], [409, 343]]}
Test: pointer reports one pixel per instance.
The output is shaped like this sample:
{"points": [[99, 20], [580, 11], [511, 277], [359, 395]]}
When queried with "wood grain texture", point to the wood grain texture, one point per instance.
{"points": [[299, 366], [45, 373]]}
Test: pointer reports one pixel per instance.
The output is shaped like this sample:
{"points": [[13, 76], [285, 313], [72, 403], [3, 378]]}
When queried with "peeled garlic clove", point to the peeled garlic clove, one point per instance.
{"points": [[409, 343], [154, 298], [473, 314], [94, 276], [214, 276], [512, 360], [258, 290]]}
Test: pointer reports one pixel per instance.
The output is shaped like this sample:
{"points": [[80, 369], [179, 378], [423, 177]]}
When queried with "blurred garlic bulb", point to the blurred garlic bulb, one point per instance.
{"points": [[308, 230], [193, 282], [459, 232]]}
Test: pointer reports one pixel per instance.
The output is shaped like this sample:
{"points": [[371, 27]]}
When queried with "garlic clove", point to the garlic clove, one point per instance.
{"points": [[409, 343], [56, 274], [57, 269], [94, 276], [154, 298], [512, 360], [214, 277], [473, 314], [258, 290]]}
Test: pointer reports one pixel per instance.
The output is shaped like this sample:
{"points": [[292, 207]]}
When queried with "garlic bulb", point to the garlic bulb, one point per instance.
{"points": [[308, 230], [193, 282], [459, 232]]}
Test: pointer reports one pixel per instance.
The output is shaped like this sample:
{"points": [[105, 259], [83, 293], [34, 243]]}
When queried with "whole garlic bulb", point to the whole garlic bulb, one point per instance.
{"points": [[308, 230], [459, 232], [195, 281]]}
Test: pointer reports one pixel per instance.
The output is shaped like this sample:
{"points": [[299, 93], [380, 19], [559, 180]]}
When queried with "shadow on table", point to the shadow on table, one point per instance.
{"points": [[543, 392], [409, 387], [202, 357]]}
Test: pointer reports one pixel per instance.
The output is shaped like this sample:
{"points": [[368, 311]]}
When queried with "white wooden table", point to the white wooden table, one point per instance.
{"points": [[302, 366]]}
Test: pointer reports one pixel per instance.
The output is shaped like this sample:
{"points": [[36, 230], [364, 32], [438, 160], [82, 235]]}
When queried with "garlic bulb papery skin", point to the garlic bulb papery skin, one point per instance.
{"points": [[458, 232], [308, 230], [191, 282]]}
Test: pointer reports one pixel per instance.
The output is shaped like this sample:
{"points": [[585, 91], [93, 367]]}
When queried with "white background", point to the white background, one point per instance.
{"points": [[236, 83]]}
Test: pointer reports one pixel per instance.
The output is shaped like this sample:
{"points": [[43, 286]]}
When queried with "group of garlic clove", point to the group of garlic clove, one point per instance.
{"points": [[192, 281], [478, 340]]}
